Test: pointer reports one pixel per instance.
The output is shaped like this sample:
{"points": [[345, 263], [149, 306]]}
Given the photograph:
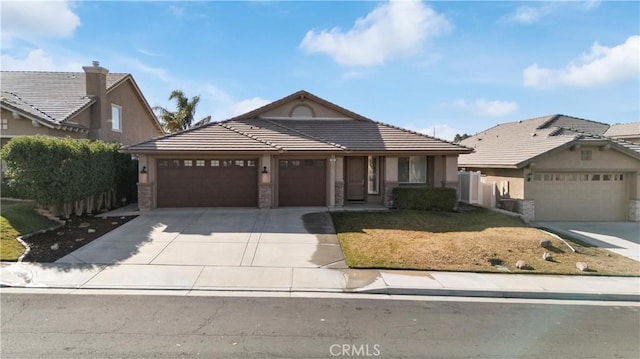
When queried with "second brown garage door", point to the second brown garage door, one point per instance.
{"points": [[207, 183], [302, 183]]}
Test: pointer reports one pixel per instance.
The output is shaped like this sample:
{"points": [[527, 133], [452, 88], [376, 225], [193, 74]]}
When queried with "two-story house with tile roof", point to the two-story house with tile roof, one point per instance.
{"points": [[93, 104]]}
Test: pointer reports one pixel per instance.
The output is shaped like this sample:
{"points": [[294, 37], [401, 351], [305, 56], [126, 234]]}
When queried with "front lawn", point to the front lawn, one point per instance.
{"points": [[18, 218], [475, 240]]}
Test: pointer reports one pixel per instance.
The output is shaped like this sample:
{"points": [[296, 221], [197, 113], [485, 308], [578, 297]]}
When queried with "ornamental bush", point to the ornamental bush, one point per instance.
{"points": [[425, 198], [67, 174]]}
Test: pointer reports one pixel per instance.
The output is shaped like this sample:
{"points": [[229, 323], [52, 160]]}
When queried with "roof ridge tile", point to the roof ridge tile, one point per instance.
{"points": [[231, 128], [421, 134], [47, 117]]}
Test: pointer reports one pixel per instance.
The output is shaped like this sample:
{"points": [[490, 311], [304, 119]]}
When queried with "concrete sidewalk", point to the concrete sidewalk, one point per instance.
{"points": [[277, 279]]}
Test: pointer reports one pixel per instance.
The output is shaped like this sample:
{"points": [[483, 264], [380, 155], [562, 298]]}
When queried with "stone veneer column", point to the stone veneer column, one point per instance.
{"points": [[634, 210], [388, 193], [339, 193], [528, 210], [264, 195], [145, 196]]}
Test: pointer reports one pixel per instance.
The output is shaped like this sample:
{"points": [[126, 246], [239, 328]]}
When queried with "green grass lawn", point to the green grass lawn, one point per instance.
{"points": [[473, 241], [18, 218]]}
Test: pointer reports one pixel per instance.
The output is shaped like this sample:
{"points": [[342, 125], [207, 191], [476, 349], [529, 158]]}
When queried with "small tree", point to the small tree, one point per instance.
{"points": [[182, 118], [459, 138]]}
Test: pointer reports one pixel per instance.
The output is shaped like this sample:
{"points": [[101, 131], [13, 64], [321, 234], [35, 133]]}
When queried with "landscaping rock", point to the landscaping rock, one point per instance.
{"points": [[83, 225], [523, 265], [114, 223], [59, 233], [582, 266], [55, 247], [79, 239], [547, 256], [545, 243], [90, 230]]}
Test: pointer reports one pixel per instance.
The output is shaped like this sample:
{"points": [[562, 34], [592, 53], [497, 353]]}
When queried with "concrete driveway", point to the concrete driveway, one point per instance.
{"points": [[619, 237], [246, 237]]}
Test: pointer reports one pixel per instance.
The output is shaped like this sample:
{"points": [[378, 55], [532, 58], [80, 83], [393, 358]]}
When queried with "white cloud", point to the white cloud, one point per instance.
{"points": [[495, 108], [138, 65], [444, 132], [600, 66], [38, 60], [489, 108], [530, 14], [396, 28], [245, 106], [37, 19], [218, 103]]}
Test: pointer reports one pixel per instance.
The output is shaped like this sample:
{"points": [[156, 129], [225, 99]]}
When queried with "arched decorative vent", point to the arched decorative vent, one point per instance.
{"points": [[302, 111]]}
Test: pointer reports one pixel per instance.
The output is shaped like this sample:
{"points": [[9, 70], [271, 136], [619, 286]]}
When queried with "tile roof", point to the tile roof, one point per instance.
{"points": [[211, 137], [355, 133], [514, 144], [624, 130], [53, 97], [575, 123]]}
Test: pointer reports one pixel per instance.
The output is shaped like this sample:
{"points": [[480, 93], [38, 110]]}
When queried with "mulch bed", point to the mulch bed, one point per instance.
{"points": [[73, 235]]}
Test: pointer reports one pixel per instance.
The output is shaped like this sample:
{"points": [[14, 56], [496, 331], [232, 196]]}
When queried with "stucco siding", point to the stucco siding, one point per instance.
{"points": [[509, 182], [318, 110], [568, 160], [21, 126], [137, 122]]}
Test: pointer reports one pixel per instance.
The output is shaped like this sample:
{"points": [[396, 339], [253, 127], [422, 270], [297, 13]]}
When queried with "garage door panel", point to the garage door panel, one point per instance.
{"points": [[579, 197], [207, 183], [302, 183]]}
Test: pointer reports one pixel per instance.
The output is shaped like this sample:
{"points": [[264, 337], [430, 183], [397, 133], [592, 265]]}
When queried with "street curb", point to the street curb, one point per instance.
{"points": [[629, 297], [506, 294]]}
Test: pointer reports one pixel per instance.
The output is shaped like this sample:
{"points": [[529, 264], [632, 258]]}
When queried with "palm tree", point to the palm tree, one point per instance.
{"points": [[182, 118]]}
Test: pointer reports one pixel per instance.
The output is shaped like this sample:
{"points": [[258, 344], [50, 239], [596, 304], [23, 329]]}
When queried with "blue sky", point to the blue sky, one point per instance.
{"points": [[451, 66]]}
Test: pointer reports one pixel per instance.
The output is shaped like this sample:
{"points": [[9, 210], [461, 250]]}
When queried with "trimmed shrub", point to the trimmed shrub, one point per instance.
{"points": [[66, 174], [425, 198]]}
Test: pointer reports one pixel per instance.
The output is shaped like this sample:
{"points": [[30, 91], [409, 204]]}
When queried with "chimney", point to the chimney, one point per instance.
{"points": [[96, 88]]}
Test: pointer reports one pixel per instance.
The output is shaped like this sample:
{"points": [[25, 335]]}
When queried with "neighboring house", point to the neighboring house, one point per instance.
{"points": [[559, 168], [298, 151], [93, 104], [625, 131]]}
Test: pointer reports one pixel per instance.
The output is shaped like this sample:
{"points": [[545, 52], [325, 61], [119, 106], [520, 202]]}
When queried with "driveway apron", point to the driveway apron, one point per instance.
{"points": [[246, 237]]}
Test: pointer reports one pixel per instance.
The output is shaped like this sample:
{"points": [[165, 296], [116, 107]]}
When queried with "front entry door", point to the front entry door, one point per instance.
{"points": [[355, 178]]}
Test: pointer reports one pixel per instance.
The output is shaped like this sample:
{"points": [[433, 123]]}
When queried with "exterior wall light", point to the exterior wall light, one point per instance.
{"points": [[264, 169], [144, 176]]}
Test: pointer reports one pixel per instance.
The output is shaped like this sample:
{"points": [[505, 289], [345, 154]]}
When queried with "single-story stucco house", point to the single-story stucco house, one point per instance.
{"points": [[561, 168], [300, 150]]}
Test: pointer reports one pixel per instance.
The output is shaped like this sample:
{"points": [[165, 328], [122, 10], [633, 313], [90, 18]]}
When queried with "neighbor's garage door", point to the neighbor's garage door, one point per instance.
{"points": [[579, 196], [302, 183], [207, 183]]}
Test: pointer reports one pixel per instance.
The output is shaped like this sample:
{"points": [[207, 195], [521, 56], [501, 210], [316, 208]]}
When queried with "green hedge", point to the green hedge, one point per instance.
{"points": [[66, 174], [425, 198]]}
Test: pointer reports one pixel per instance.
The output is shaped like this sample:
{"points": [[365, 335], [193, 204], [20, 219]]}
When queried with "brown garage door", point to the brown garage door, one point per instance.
{"points": [[302, 183], [207, 183]]}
